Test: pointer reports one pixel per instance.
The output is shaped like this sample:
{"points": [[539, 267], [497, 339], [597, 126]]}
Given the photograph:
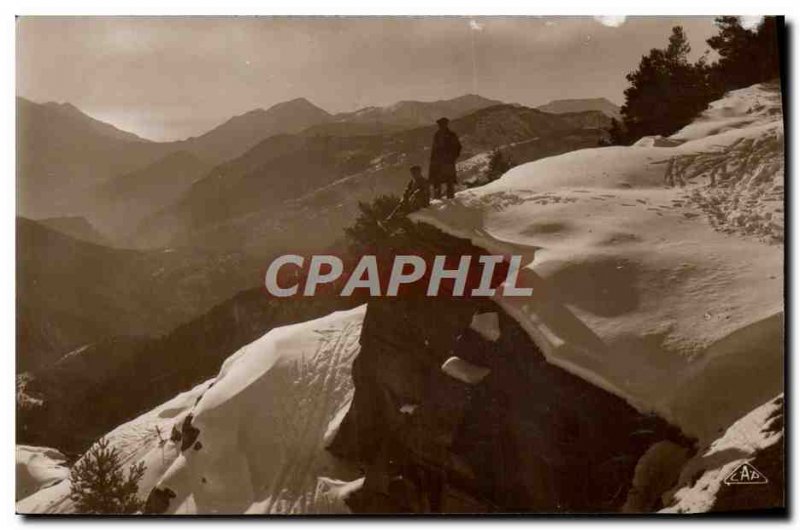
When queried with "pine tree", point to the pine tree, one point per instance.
{"points": [[746, 56], [376, 227], [666, 91], [498, 165], [98, 482], [615, 134]]}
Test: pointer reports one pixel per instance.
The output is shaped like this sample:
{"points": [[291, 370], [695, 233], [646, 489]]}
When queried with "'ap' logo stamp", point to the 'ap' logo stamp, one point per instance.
{"points": [[745, 473]]}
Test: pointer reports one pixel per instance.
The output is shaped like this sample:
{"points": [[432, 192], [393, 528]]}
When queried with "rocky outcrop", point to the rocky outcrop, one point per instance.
{"points": [[189, 433], [524, 437], [158, 501]]}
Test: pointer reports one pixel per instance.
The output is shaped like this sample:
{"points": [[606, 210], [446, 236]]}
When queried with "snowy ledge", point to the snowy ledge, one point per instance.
{"points": [[640, 286]]}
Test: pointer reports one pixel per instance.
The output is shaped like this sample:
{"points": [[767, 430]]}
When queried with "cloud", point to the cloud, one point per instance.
{"points": [[475, 25], [750, 22], [612, 21]]}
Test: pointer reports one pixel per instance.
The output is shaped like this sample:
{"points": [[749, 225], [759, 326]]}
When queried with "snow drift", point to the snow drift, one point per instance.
{"points": [[37, 468], [261, 428], [657, 268]]}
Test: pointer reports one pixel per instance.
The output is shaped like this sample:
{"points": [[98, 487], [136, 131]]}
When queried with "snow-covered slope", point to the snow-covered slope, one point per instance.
{"points": [[38, 467], [701, 486], [647, 280], [263, 424]]}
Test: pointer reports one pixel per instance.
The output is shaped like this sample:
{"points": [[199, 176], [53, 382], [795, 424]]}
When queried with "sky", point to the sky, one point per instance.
{"points": [[171, 78]]}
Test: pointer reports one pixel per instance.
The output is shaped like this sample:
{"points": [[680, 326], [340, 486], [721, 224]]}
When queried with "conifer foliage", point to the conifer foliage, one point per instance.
{"points": [[667, 91], [498, 165], [99, 484]]}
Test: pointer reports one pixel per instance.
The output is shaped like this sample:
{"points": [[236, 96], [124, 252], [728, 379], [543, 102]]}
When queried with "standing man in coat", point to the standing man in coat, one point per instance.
{"points": [[444, 152]]}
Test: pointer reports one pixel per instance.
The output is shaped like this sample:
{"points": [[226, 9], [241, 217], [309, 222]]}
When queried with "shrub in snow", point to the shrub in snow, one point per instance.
{"points": [[100, 486], [377, 225], [498, 164]]}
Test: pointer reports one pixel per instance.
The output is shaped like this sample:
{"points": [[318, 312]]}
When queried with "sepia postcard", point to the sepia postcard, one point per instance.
{"points": [[400, 265]]}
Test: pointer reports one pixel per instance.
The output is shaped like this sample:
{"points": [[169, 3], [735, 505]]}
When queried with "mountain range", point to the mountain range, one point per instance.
{"points": [[118, 235], [66, 158], [603, 105], [410, 114], [149, 194], [72, 293]]}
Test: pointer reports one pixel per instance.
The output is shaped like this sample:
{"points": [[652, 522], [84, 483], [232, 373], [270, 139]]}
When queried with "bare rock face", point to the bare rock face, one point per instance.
{"points": [[526, 437], [189, 433], [158, 501]]}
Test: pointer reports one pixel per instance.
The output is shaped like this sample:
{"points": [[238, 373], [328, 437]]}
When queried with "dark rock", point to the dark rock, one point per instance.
{"points": [[158, 501], [189, 433], [175, 434], [529, 437]]}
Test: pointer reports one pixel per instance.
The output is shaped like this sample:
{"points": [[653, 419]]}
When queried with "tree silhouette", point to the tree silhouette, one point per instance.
{"points": [[615, 134], [378, 226], [498, 164], [99, 485], [666, 91], [745, 57]]}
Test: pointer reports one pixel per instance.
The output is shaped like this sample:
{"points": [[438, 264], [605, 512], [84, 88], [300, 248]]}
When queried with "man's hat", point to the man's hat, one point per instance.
{"points": [[442, 121]]}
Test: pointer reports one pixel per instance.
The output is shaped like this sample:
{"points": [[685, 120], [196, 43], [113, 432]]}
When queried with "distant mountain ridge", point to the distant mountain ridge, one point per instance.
{"points": [[603, 105], [154, 195], [127, 199], [330, 173], [240, 133], [71, 292], [63, 154], [69, 111], [76, 227], [408, 114]]}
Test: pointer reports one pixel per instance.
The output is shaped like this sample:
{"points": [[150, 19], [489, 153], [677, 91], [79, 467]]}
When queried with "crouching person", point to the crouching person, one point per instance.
{"points": [[416, 194]]}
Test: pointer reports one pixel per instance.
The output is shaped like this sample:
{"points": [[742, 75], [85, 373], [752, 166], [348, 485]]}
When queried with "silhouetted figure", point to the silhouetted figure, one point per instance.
{"points": [[444, 153], [416, 195]]}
